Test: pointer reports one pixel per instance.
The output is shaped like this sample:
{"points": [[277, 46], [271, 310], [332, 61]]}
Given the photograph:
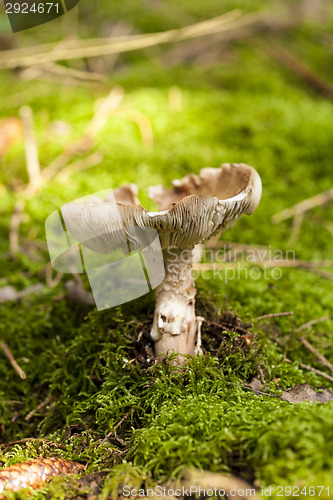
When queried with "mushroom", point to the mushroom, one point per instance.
{"points": [[196, 208]]}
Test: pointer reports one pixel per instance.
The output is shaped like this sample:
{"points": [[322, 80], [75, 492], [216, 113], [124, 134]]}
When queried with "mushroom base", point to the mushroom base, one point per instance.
{"points": [[175, 327]]}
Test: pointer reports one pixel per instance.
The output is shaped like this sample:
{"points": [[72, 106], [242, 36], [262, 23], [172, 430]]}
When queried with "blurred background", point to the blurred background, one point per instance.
{"points": [[149, 91]]}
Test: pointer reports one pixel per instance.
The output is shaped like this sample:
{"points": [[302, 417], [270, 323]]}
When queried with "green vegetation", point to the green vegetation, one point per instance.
{"points": [[241, 107]]}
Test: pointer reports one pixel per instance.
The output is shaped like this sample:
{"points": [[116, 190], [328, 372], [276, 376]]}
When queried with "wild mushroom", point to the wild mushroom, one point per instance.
{"points": [[197, 208]]}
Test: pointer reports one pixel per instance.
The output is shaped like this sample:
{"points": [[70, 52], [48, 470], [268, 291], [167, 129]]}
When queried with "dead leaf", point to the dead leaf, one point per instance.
{"points": [[255, 385], [304, 392], [298, 394]]}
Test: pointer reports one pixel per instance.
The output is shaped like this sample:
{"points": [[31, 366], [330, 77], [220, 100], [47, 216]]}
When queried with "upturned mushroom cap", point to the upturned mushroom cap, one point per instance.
{"points": [[231, 182], [201, 206]]}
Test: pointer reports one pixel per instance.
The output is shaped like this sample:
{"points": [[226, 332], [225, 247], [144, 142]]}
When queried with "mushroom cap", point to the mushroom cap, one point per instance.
{"points": [[201, 206], [226, 183]]}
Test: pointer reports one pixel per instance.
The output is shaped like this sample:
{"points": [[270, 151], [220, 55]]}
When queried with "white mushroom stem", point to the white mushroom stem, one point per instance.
{"points": [[175, 326], [202, 206]]}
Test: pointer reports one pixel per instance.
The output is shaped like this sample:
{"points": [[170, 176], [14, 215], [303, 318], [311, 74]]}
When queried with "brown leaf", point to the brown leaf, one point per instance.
{"points": [[298, 394], [304, 392], [255, 385]]}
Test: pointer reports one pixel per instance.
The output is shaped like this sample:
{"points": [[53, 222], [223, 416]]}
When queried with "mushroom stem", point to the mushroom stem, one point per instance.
{"points": [[175, 326]]}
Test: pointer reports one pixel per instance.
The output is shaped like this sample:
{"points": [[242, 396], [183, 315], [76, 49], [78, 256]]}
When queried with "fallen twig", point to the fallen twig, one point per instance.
{"points": [[14, 227], [52, 71], [225, 328], [79, 165], [175, 99], [318, 372], [111, 433], [31, 151], [301, 70], [272, 315], [125, 417], [34, 175], [84, 49], [304, 206], [323, 274], [321, 358], [12, 360], [311, 369], [312, 322], [296, 229], [38, 408], [50, 281]]}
